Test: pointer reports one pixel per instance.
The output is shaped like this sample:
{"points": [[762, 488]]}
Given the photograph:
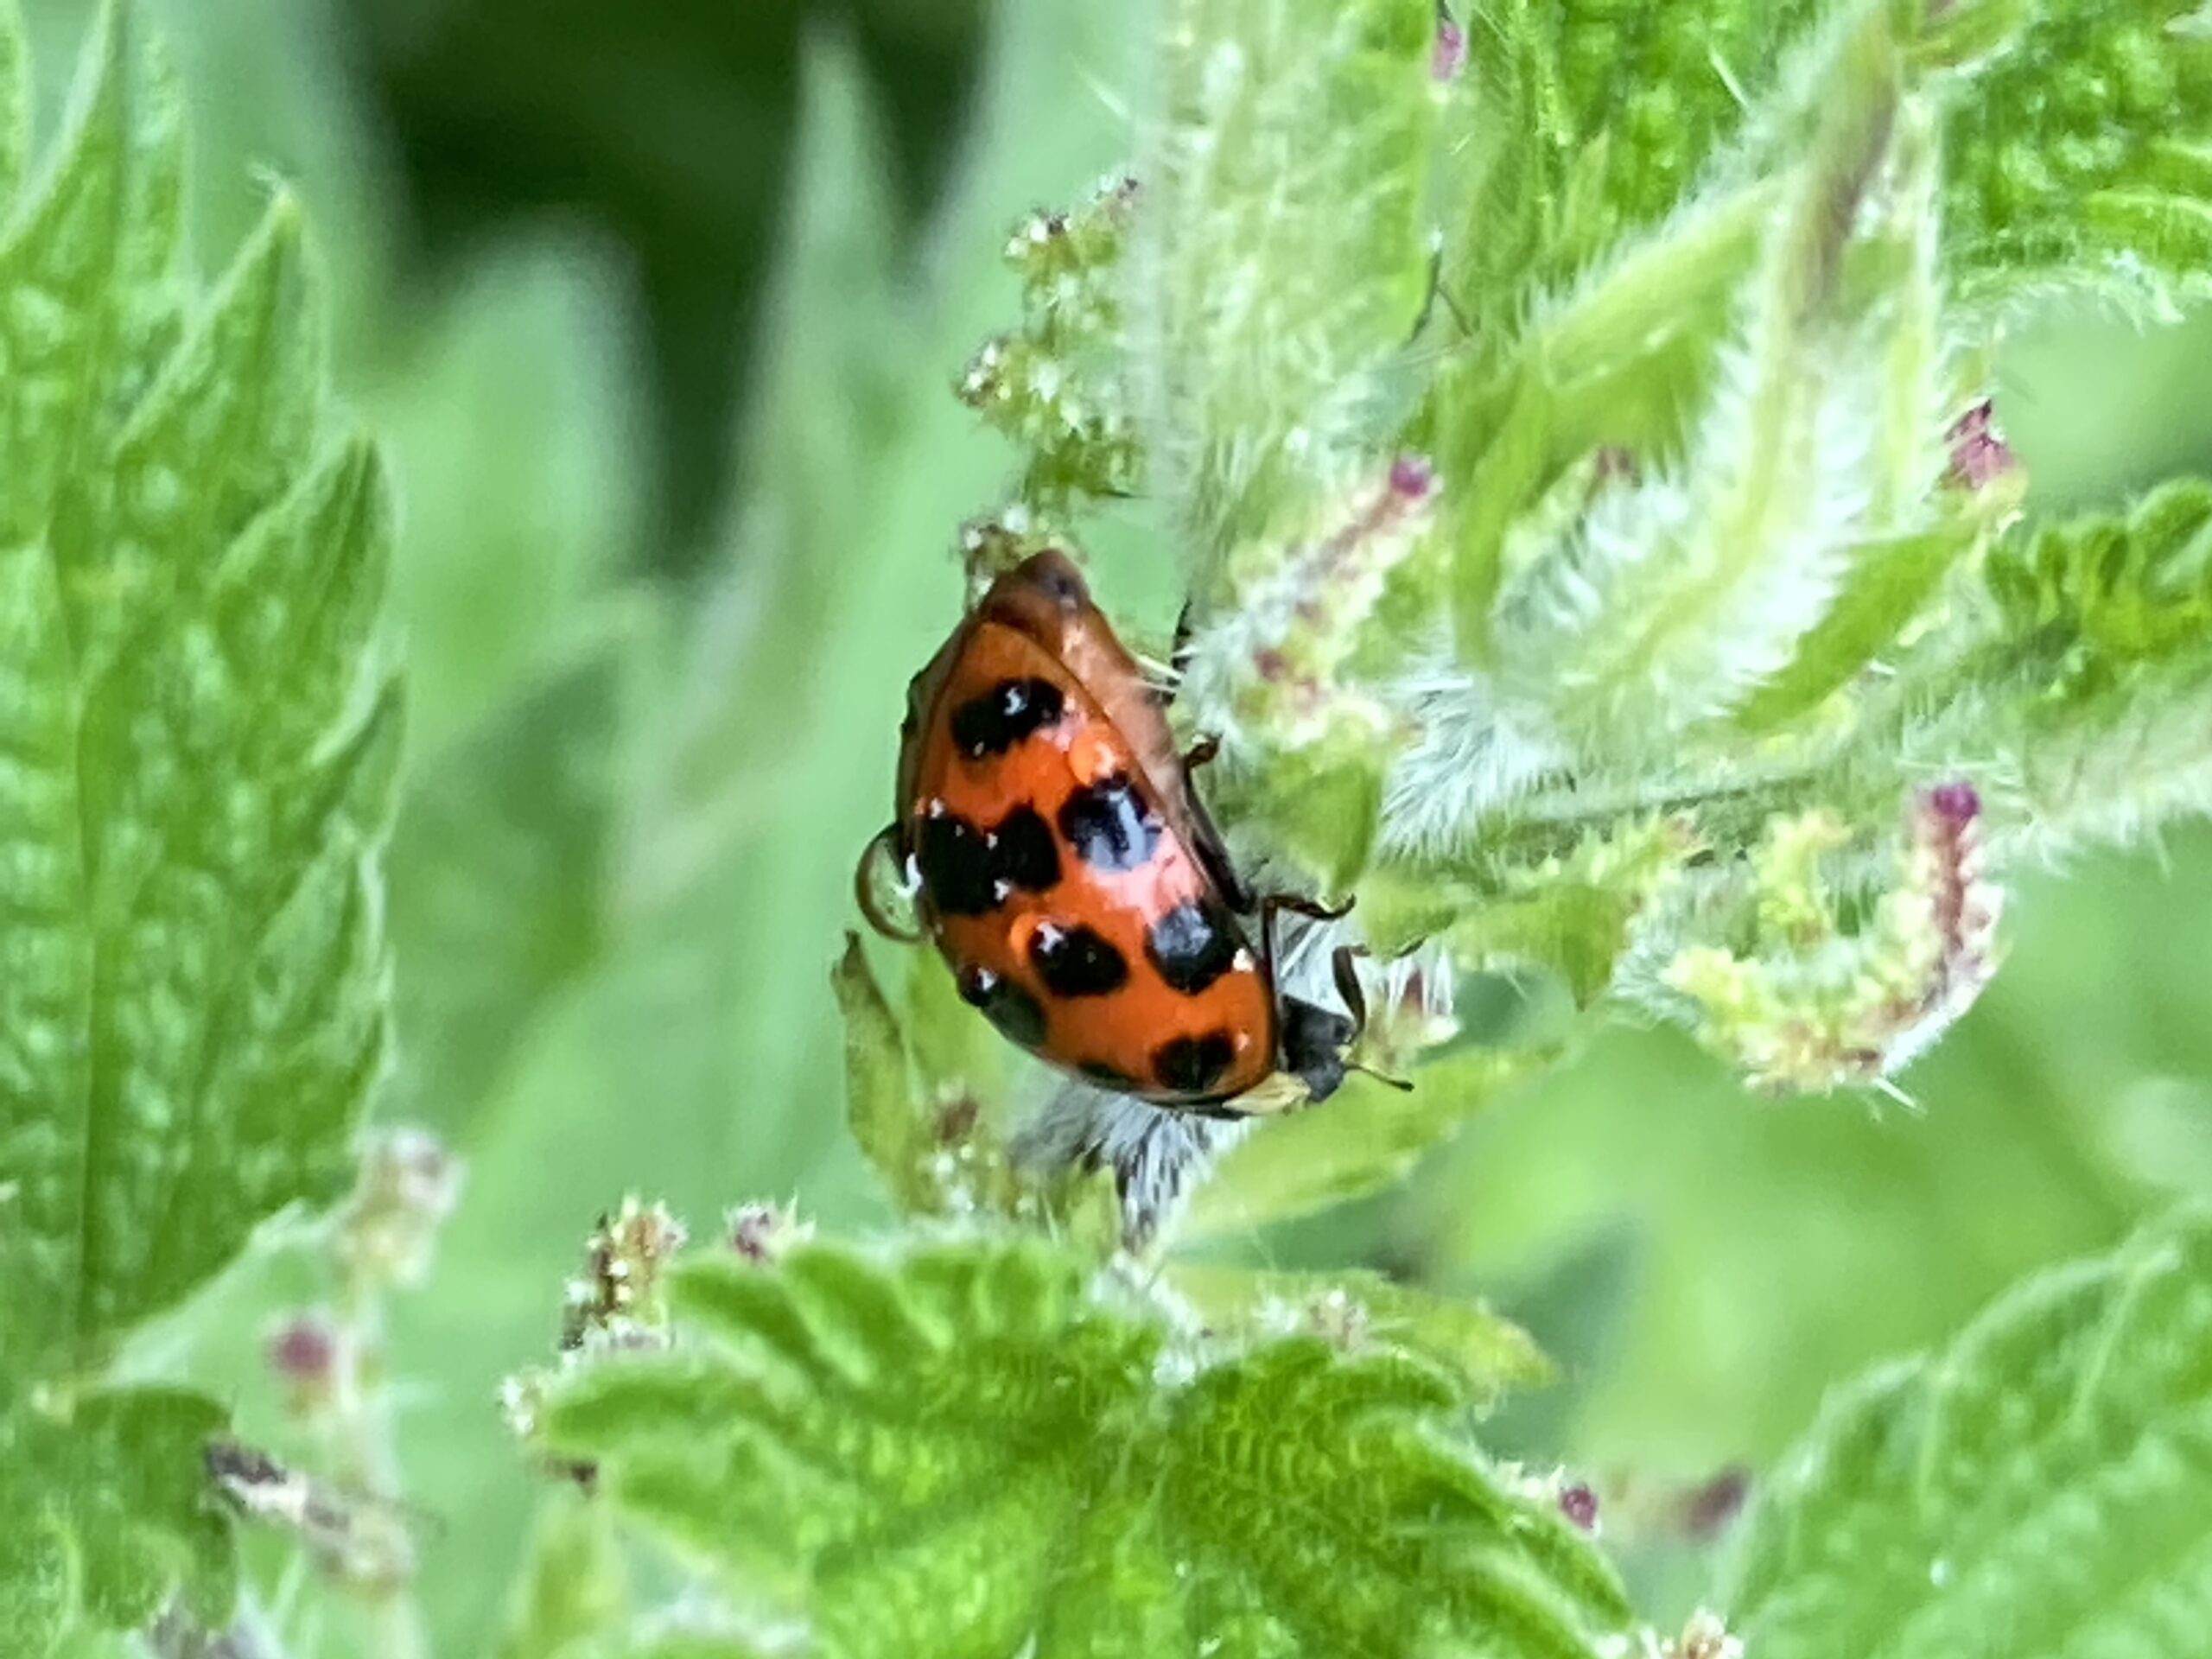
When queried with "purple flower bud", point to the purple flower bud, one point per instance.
{"points": [[1580, 1505], [303, 1350], [1978, 456], [1449, 56], [1956, 803], [1412, 478], [765, 1233]]}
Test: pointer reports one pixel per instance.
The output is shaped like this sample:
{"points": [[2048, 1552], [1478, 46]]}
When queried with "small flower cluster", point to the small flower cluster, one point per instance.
{"points": [[1813, 1007], [1274, 671], [1052, 386], [615, 1306]]}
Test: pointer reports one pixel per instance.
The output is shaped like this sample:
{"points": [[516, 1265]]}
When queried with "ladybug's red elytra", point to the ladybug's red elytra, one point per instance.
{"points": [[1071, 877]]}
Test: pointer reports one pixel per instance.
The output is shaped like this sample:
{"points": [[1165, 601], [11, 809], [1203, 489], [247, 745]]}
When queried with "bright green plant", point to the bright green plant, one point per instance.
{"points": [[202, 732], [1605, 567]]}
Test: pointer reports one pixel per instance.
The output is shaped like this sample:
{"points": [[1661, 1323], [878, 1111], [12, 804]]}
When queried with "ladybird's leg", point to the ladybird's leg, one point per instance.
{"points": [[1178, 654], [864, 892], [1212, 853], [1307, 908], [1203, 753], [1349, 987], [1275, 903]]}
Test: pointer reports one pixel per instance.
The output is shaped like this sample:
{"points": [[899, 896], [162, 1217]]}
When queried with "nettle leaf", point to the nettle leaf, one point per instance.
{"points": [[965, 1451], [107, 1515], [2078, 135], [2043, 1486], [882, 1106], [1488, 1353], [1284, 243], [501, 860], [575, 1586], [1626, 104], [2099, 649], [200, 742], [1368, 1138], [2081, 157]]}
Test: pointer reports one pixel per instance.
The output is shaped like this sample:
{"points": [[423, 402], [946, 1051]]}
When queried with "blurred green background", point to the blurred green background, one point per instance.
{"points": [[658, 308]]}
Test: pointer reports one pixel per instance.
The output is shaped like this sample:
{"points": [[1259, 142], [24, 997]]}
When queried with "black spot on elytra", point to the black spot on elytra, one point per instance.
{"points": [[956, 865], [968, 872], [1192, 945], [1025, 855], [1076, 960], [1003, 716], [1110, 824], [1191, 1065], [1017, 1014]]}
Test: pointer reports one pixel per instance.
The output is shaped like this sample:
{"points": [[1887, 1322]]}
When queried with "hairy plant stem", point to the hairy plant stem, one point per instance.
{"points": [[359, 1430]]}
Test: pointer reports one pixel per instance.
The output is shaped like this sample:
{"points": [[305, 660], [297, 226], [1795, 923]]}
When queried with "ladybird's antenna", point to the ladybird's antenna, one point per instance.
{"points": [[1403, 1085]]}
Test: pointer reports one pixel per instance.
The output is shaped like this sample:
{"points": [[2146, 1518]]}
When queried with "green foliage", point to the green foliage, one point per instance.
{"points": [[2082, 153], [505, 846], [964, 1450], [2075, 132], [574, 1588], [1489, 1355], [202, 732], [108, 1515], [2102, 625], [2038, 1485], [698, 1042], [1647, 622], [207, 748], [1284, 246]]}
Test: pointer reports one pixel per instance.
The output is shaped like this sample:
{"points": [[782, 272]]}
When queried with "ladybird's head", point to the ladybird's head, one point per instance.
{"points": [[1313, 1044]]}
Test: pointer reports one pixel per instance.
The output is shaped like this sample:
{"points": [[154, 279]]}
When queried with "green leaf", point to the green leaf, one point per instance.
{"points": [[1489, 1355], [704, 1644], [573, 1588], [2102, 650], [1276, 305], [201, 739], [1890, 580], [2042, 1486], [1367, 1138], [881, 1106], [1629, 102], [510, 415], [108, 1514], [964, 1451], [2079, 135], [2108, 593], [2081, 157], [500, 874]]}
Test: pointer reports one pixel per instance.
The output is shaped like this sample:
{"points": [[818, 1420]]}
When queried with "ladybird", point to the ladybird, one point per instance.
{"points": [[1063, 866]]}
